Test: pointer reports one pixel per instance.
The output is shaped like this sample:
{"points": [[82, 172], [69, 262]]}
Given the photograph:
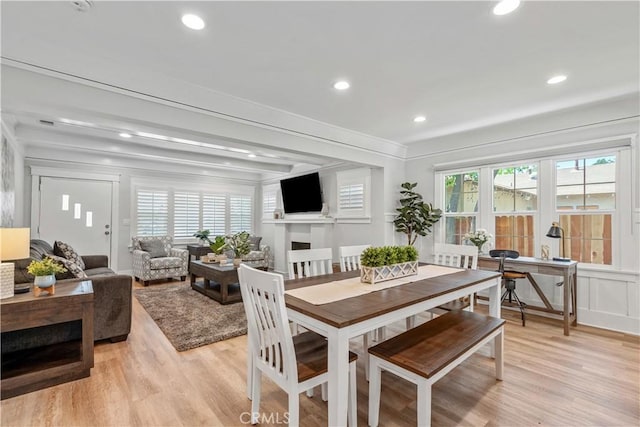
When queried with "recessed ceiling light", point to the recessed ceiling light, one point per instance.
{"points": [[125, 135], [505, 7], [252, 155], [193, 21], [556, 79], [341, 85], [419, 119]]}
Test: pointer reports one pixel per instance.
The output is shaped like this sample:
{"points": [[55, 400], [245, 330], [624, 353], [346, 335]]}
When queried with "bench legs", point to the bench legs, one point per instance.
{"points": [[423, 400]]}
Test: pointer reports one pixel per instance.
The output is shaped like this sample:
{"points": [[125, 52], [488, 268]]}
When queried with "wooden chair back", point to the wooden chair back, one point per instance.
{"points": [[271, 343], [461, 256], [350, 257], [309, 262]]}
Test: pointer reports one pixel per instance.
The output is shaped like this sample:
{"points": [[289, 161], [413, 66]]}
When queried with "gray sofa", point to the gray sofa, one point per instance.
{"points": [[112, 294]]}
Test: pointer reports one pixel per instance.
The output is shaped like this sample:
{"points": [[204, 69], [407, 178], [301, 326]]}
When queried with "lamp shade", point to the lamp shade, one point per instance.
{"points": [[14, 243], [555, 231]]}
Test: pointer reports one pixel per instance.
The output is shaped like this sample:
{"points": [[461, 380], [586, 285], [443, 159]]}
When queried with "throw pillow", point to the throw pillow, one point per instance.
{"points": [[65, 250], [254, 243], [69, 265], [154, 247]]}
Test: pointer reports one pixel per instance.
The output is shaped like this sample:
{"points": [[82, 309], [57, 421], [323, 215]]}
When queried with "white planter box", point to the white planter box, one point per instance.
{"points": [[388, 272]]}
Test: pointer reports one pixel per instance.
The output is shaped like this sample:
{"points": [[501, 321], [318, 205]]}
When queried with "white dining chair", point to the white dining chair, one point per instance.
{"points": [[458, 256], [296, 364], [350, 261], [309, 262], [350, 257]]}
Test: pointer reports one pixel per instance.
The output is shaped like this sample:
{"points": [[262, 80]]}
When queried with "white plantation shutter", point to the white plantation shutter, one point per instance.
{"points": [[240, 214], [351, 196], [152, 212], [268, 203], [186, 214], [214, 214], [354, 194]]}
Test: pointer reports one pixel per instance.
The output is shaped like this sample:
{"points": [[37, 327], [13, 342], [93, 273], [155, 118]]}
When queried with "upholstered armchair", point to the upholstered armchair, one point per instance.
{"points": [[154, 258]]}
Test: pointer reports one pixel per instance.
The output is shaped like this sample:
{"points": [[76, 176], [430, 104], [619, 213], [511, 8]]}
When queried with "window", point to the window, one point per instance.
{"points": [[214, 213], [585, 199], [241, 213], [518, 202], [353, 193], [180, 213], [268, 203], [186, 214], [515, 193], [152, 212], [460, 205]]}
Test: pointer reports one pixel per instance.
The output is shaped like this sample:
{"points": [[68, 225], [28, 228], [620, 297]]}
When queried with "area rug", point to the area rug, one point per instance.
{"points": [[190, 319]]}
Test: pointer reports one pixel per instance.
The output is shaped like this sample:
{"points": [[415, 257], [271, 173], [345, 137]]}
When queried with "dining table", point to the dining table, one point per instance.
{"points": [[342, 319]]}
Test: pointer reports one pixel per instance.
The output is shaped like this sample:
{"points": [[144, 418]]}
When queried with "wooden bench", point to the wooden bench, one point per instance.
{"points": [[428, 352]]}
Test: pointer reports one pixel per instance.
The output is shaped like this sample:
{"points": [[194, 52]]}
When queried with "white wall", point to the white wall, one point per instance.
{"points": [[121, 224], [20, 219], [607, 297]]}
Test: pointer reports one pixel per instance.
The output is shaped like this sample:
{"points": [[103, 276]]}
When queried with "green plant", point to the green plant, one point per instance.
{"points": [[45, 267], [238, 243], [415, 217], [387, 255], [203, 235], [217, 246]]}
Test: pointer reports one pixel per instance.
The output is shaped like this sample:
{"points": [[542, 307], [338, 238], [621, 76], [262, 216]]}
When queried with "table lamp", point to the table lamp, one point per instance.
{"points": [[556, 232], [14, 244]]}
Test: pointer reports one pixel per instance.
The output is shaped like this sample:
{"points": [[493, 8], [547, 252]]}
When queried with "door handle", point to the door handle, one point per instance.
{"points": [[106, 233]]}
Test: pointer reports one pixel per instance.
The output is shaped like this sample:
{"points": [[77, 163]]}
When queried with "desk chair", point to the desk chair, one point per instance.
{"points": [[295, 363], [509, 278]]}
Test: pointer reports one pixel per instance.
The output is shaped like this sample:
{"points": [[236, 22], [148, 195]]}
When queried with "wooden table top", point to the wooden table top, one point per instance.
{"points": [[354, 310]]}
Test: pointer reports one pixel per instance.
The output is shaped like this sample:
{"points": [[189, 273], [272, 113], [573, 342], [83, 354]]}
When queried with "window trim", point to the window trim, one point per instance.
{"points": [[547, 213]]}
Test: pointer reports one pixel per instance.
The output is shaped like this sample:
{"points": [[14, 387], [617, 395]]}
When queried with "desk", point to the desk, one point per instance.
{"points": [[567, 270], [341, 320]]}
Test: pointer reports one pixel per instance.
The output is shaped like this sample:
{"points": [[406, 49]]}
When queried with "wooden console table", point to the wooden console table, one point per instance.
{"points": [[32, 369], [567, 270]]}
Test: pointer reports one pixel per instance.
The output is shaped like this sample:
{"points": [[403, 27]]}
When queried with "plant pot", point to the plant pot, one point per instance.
{"points": [[45, 281], [375, 275], [236, 262]]}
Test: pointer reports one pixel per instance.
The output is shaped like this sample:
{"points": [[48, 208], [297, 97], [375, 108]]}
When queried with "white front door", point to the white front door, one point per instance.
{"points": [[77, 212]]}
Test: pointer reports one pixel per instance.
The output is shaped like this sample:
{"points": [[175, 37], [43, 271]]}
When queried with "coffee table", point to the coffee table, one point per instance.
{"points": [[220, 282]]}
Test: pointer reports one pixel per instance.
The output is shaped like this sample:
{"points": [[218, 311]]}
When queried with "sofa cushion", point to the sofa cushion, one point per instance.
{"points": [[99, 271], [165, 262], [70, 266], [65, 250], [154, 247], [38, 249]]}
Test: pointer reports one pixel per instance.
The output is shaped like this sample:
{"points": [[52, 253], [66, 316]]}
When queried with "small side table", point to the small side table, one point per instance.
{"points": [[197, 251], [24, 371]]}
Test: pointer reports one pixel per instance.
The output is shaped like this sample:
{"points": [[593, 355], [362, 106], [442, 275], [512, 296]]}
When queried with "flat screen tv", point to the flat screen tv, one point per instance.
{"points": [[302, 193]]}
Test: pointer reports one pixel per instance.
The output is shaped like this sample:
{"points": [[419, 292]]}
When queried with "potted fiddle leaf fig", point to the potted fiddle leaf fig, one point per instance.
{"points": [[415, 217]]}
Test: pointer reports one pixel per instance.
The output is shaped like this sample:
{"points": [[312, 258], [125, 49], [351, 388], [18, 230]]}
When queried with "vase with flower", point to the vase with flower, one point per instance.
{"points": [[479, 238]]}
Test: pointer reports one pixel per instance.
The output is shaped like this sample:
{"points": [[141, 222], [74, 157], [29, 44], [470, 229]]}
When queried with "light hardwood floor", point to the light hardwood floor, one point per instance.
{"points": [[590, 378]]}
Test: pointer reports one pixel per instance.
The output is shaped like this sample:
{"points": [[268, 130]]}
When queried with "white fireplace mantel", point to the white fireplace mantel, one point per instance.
{"points": [[317, 231], [323, 220]]}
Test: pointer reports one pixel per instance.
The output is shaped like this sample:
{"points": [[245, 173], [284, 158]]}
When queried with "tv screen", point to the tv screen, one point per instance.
{"points": [[302, 193]]}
